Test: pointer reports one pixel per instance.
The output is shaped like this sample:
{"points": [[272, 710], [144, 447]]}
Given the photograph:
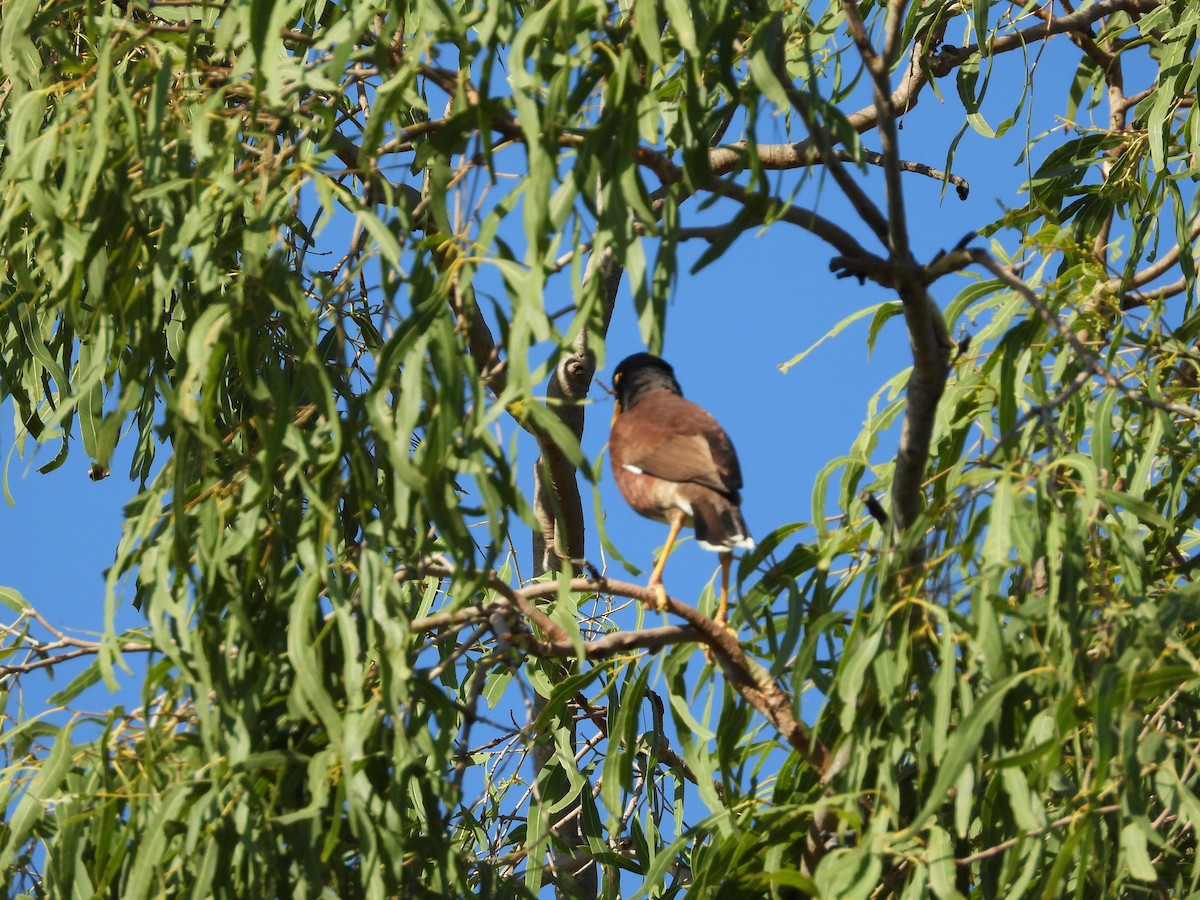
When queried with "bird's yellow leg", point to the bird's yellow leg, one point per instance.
{"points": [[723, 607], [676, 517]]}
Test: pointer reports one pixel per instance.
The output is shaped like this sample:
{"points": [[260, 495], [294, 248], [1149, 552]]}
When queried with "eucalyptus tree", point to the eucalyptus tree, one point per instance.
{"points": [[297, 253]]}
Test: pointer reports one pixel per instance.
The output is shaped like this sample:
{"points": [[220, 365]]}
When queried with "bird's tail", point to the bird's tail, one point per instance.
{"points": [[719, 525]]}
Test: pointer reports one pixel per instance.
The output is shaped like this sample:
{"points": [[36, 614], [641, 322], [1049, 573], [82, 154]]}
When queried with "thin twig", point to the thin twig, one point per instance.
{"points": [[1085, 356], [1036, 832]]}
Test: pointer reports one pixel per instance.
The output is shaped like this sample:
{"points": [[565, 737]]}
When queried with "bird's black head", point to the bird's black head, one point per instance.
{"points": [[641, 374]]}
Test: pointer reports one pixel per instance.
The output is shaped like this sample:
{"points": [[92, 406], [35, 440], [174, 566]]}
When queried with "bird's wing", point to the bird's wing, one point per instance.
{"points": [[690, 447]]}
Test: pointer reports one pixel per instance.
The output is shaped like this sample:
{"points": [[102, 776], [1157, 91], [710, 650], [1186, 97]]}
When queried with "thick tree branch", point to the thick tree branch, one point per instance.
{"points": [[1145, 298], [1079, 21], [559, 537], [931, 346], [1162, 265], [481, 342], [557, 504], [747, 677], [733, 157]]}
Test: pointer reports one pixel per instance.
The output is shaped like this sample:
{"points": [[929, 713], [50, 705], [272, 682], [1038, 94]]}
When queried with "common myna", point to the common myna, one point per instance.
{"points": [[675, 464]]}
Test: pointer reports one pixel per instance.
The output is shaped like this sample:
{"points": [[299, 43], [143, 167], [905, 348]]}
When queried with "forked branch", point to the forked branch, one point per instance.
{"points": [[746, 676]]}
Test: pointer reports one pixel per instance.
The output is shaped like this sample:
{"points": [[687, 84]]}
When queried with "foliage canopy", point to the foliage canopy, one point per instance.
{"points": [[297, 253]]}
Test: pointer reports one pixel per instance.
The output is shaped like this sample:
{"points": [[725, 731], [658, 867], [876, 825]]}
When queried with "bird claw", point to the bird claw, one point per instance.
{"points": [[660, 597]]}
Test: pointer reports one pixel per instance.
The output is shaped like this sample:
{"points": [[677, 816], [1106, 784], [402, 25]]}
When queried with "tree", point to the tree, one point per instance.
{"points": [[297, 252]]}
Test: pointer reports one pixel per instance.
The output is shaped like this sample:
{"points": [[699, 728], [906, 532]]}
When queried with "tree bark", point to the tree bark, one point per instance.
{"points": [[559, 540]]}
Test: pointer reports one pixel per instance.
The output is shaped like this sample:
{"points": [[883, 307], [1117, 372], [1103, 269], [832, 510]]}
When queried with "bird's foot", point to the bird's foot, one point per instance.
{"points": [[660, 597]]}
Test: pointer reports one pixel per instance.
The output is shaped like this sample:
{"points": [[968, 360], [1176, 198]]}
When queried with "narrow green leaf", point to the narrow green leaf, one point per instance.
{"points": [[13, 599], [881, 312], [939, 857], [963, 745], [1136, 853]]}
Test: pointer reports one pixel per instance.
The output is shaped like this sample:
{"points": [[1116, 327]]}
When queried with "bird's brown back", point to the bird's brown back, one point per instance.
{"points": [[671, 438]]}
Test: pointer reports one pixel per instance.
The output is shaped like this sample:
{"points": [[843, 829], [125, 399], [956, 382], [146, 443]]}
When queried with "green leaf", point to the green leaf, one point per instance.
{"points": [[679, 15], [963, 745], [940, 859], [881, 312], [13, 599], [848, 874], [31, 810], [18, 54], [1136, 853]]}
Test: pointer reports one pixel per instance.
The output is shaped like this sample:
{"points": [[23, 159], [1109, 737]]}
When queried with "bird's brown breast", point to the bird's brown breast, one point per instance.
{"points": [[649, 496]]}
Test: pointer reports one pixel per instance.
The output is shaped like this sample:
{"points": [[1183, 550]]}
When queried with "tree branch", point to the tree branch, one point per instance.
{"points": [[830, 232], [1085, 356], [1057, 823], [63, 648], [776, 157], [863, 205], [1073, 22], [1120, 287], [931, 345], [558, 506], [1145, 298], [897, 228], [747, 677]]}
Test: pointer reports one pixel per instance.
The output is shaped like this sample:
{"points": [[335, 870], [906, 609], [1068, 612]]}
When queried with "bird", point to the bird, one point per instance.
{"points": [[674, 463]]}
